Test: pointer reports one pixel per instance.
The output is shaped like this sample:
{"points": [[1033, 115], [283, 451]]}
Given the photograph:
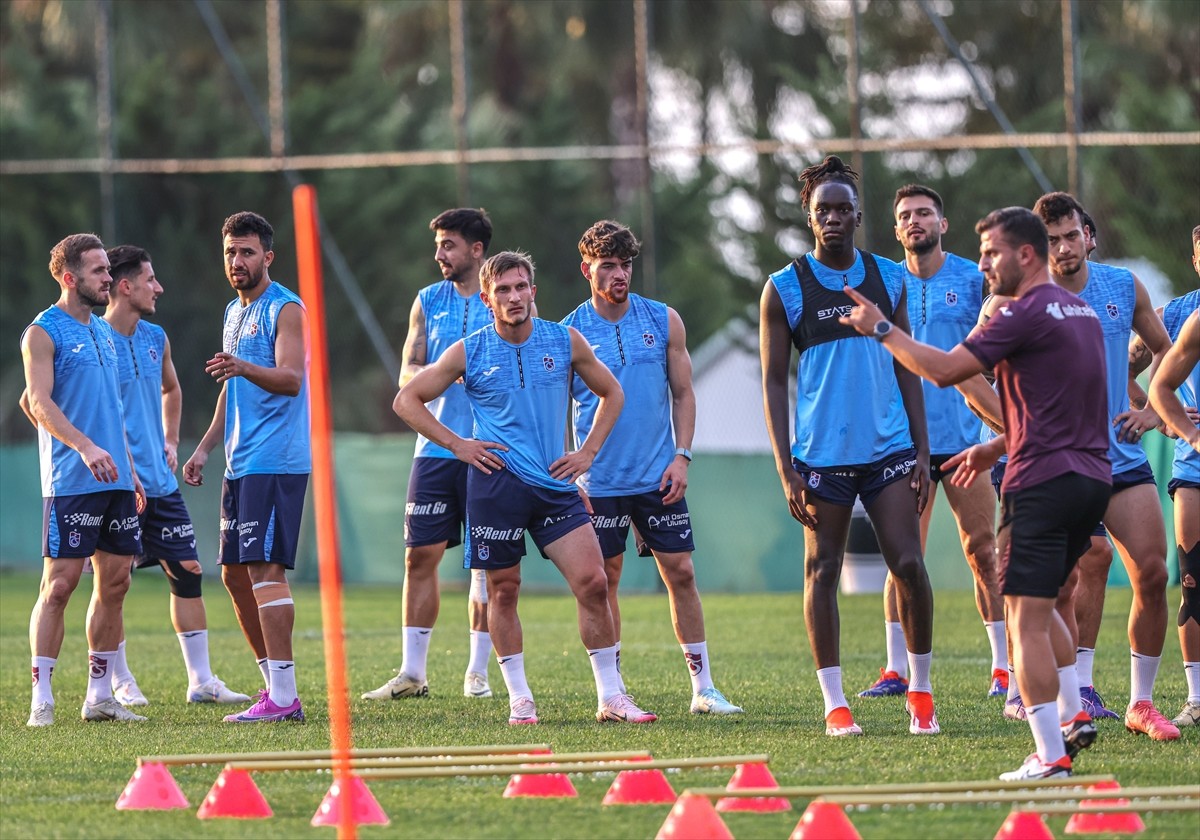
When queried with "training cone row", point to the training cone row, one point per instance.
{"points": [[753, 776], [1098, 823], [151, 789]]}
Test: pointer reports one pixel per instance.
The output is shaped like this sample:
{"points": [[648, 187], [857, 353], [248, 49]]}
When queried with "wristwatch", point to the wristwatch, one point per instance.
{"points": [[882, 328], [686, 453]]}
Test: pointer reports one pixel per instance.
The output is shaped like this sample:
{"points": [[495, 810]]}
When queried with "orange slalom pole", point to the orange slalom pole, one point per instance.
{"points": [[329, 564]]}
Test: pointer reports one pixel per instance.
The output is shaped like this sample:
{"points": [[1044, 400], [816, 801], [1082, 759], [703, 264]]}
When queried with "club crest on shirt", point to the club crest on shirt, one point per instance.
{"points": [[153, 354], [1112, 310], [648, 339], [548, 362], [252, 329], [951, 298]]}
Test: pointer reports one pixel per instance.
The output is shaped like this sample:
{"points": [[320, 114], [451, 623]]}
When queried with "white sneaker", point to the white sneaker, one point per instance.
{"points": [[41, 715], [401, 685], [1035, 768], [522, 711], [475, 684], [620, 708], [128, 694], [214, 691], [106, 710], [712, 702]]}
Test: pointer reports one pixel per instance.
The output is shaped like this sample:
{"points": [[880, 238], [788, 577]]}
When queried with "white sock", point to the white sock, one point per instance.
{"points": [[119, 667], [42, 670], [620, 676], [604, 670], [1143, 670], [266, 672], [1014, 690], [1047, 735], [697, 661], [897, 648], [100, 663], [194, 644], [481, 646], [283, 681], [919, 663], [1191, 670], [1083, 665], [1069, 704], [999, 643], [416, 652], [830, 680], [512, 668]]}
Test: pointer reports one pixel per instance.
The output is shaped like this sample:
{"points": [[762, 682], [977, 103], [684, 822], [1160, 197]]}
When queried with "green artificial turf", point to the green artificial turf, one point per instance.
{"points": [[63, 781]]}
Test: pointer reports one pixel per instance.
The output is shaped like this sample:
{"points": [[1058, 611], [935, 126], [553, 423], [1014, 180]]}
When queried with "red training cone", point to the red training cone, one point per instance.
{"points": [[364, 806], [234, 795], [824, 821], [1024, 825], [640, 787], [693, 818], [753, 776], [1126, 822], [151, 789], [540, 784]]}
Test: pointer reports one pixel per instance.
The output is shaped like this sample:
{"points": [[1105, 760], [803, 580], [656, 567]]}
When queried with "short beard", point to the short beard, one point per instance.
{"points": [[88, 299], [925, 245]]}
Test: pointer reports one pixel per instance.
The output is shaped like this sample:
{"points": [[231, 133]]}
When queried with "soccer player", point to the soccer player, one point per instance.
{"points": [[641, 474], [1047, 350], [867, 439], [517, 375], [90, 490], [436, 509], [262, 416], [1134, 515], [153, 404], [945, 293]]}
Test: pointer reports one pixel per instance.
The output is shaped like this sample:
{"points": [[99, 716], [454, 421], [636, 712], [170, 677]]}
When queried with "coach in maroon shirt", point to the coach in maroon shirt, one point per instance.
{"points": [[1047, 350]]}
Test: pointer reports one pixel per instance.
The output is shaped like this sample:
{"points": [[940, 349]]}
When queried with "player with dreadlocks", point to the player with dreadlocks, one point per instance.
{"points": [[859, 431]]}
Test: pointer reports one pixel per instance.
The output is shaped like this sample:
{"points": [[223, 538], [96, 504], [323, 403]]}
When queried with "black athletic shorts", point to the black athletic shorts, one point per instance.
{"points": [[1049, 528]]}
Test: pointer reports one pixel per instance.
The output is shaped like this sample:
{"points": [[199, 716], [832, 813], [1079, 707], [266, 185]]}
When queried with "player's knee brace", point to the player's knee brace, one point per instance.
{"points": [[478, 592], [184, 582], [1189, 579], [272, 593]]}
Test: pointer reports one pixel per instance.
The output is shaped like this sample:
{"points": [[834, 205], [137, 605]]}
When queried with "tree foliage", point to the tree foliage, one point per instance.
{"points": [[369, 75]]}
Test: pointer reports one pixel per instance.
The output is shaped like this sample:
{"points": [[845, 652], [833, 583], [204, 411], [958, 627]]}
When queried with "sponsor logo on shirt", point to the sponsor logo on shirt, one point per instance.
{"points": [[491, 370], [76, 348], [84, 520], [177, 532], [669, 520], [834, 312], [129, 523], [1061, 312], [599, 522], [246, 527]]}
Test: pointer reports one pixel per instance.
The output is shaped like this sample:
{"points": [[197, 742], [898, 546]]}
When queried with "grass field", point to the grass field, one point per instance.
{"points": [[63, 781]]}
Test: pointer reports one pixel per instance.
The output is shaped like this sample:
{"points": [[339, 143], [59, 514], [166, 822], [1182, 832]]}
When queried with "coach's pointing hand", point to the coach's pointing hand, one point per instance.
{"points": [[864, 316]]}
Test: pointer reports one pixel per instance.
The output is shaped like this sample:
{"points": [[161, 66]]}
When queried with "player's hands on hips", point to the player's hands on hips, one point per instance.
{"points": [[572, 465], [478, 454], [864, 316], [1193, 416], [223, 367], [193, 470], [920, 481], [99, 462], [674, 480], [796, 494], [969, 463], [1132, 424]]}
